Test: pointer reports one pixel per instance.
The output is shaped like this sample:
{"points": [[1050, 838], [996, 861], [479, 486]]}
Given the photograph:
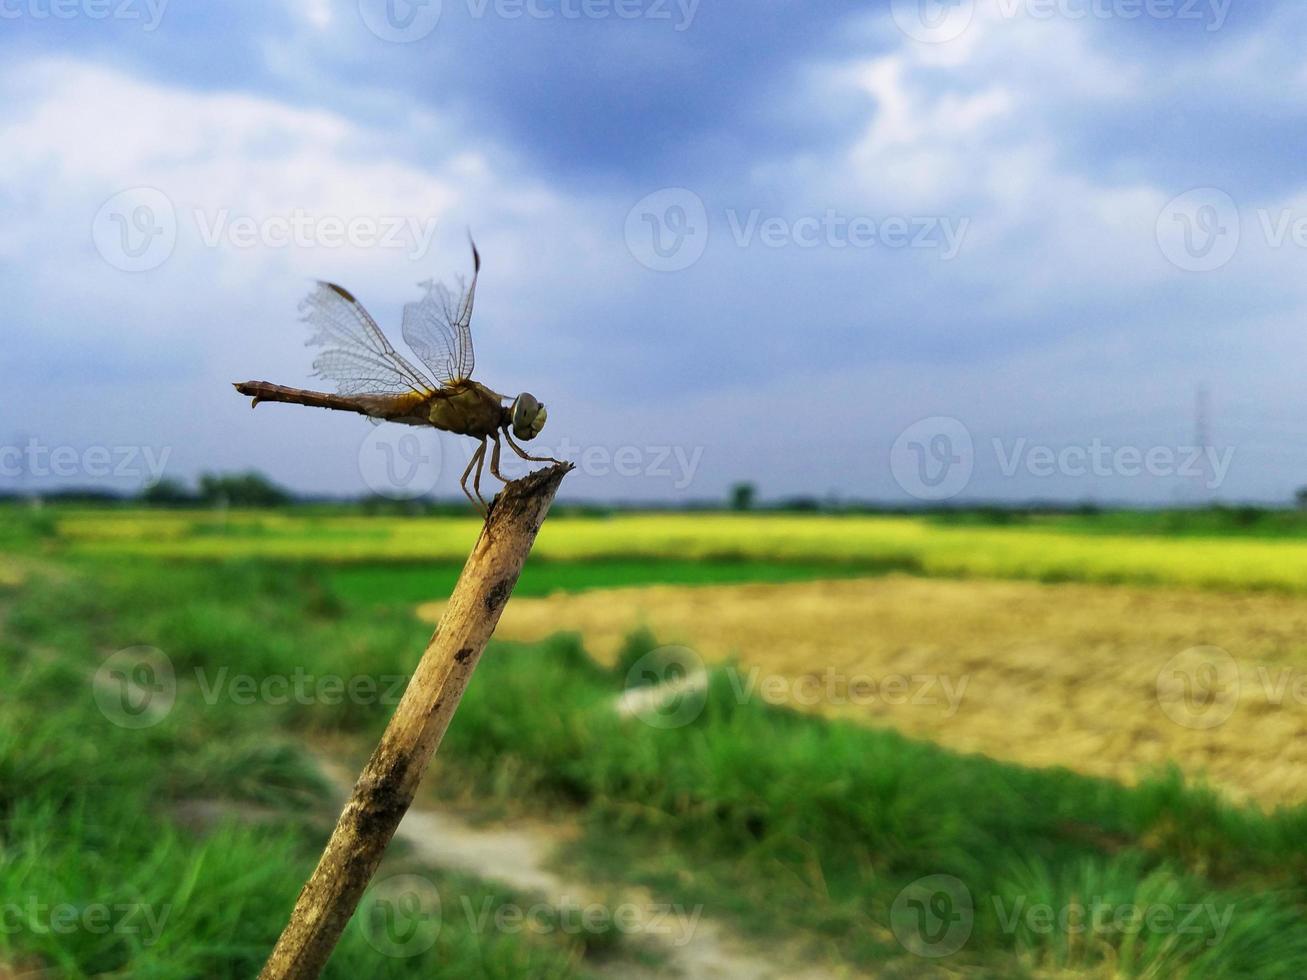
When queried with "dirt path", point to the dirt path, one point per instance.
{"points": [[518, 855]]}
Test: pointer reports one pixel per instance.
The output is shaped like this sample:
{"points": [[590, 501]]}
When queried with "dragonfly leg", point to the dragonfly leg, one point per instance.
{"points": [[476, 480], [476, 457], [525, 455], [494, 458]]}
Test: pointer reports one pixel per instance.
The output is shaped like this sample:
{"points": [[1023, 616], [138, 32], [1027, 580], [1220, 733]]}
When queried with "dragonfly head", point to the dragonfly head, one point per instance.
{"points": [[527, 416]]}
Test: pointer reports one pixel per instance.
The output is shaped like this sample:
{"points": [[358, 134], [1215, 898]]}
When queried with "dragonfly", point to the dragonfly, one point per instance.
{"points": [[373, 379]]}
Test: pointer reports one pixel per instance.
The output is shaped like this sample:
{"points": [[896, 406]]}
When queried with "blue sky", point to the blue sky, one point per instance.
{"points": [[798, 244]]}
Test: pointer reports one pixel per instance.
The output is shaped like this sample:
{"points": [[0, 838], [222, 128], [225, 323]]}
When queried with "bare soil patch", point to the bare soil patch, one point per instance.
{"points": [[1108, 680]]}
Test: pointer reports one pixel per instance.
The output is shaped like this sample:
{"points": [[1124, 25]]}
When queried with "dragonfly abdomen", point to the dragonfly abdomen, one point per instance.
{"points": [[376, 406]]}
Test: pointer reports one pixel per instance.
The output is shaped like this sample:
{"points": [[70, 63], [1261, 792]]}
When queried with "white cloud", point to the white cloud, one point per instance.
{"points": [[82, 133], [78, 134]]}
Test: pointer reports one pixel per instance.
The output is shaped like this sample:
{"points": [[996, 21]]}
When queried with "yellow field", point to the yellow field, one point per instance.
{"points": [[1231, 563], [1078, 675]]}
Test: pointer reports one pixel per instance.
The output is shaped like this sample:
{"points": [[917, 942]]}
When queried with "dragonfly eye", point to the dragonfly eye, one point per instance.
{"points": [[528, 416]]}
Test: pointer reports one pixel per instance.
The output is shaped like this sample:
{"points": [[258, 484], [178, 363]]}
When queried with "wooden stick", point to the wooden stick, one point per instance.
{"points": [[385, 789]]}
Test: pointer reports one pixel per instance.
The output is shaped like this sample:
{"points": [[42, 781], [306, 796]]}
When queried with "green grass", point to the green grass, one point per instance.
{"points": [[1238, 522], [1116, 548], [782, 820], [410, 583], [102, 872], [781, 823]]}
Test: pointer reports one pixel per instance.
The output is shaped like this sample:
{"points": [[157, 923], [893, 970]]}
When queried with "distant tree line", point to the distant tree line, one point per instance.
{"points": [[249, 489]]}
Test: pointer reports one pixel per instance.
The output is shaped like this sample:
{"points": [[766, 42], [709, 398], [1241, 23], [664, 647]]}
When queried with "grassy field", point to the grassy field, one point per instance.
{"points": [[1051, 550], [174, 848]]}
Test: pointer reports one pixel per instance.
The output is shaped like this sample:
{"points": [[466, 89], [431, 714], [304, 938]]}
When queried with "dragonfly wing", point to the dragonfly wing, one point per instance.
{"points": [[356, 354], [439, 328]]}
